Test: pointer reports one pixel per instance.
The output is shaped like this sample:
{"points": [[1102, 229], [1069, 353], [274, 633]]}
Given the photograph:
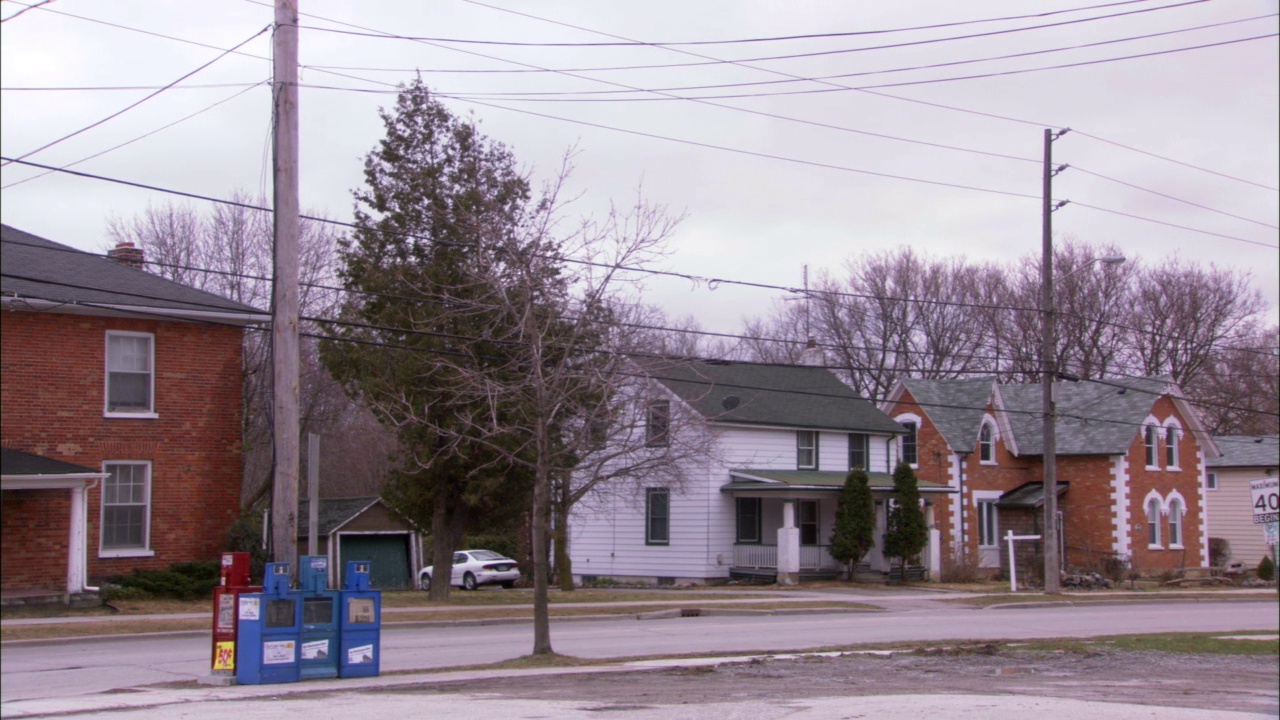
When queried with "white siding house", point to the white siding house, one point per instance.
{"points": [[761, 501]]}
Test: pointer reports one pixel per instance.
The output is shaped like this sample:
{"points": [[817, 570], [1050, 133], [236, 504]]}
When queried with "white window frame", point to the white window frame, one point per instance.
{"points": [[651, 538], [143, 550], [987, 445], [802, 448], [1176, 511], [1172, 436], [1151, 446], [150, 412], [866, 450], [1153, 508], [988, 520], [657, 423], [914, 432]]}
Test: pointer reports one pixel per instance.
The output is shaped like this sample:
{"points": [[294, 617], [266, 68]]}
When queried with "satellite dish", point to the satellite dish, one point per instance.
{"points": [[730, 402]]}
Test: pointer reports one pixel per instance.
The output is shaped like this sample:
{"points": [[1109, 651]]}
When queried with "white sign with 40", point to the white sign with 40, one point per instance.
{"points": [[1264, 493]]}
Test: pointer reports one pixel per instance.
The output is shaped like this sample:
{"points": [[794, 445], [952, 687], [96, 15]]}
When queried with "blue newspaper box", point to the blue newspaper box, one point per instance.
{"points": [[360, 624], [318, 649], [270, 628]]}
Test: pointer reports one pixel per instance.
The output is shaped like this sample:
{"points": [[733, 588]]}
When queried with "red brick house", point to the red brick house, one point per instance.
{"points": [[1131, 464], [121, 416]]}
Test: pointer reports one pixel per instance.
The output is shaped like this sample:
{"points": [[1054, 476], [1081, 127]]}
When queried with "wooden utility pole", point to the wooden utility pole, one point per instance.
{"points": [[1048, 356], [284, 306]]}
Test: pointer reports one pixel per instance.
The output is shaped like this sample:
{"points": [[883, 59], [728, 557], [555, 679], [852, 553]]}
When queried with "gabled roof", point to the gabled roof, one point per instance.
{"points": [[1095, 418], [955, 407], [334, 513], [16, 462], [1261, 451], [790, 480], [45, 274], [772, 395]]}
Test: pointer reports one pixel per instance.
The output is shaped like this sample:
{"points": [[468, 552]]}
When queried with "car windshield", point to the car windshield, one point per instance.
{"points": [[486, 555]]}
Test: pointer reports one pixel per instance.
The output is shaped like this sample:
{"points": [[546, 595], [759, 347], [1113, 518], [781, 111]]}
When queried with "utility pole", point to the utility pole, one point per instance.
{"points": [[284, 305], [1048, 354]]}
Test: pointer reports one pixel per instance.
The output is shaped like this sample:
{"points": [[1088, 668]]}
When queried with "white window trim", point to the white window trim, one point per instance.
{"points": [[811, 448], [985, 496], [1176, 427], [990, 424], [1154, 496], [106, 376], [145, 550], [905, 418], [1169, 500], [1151, 450]]}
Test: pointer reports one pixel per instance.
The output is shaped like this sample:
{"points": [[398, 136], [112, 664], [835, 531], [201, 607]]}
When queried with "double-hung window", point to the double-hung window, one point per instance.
{"points": [[657, 516], [1211, 481], [909, 454], [806, 450], [807, 512], [987, 529], [859, 451], [986, 444], [126, 508], [1153, 522], [1171, 447], [749, 525], [658, 424], [1175, 523], [1150, 440], [130, 374]]}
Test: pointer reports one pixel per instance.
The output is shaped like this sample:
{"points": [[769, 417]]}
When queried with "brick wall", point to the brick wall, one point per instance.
{"points": [[35, 557], [53, 384], [1185, 480]]}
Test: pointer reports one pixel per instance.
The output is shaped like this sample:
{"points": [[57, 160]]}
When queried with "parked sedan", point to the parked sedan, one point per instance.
{"points": [[473, 568]]}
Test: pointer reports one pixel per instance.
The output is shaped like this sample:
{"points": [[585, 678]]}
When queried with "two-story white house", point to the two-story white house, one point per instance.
{"points": [[762, 501]]}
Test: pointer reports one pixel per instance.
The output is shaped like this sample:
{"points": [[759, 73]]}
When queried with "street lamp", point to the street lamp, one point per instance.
{"points": [[1049, 348]]}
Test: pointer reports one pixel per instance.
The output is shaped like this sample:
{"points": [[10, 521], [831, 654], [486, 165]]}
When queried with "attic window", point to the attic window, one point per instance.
{"points": [[986, 444], [658, 424]]}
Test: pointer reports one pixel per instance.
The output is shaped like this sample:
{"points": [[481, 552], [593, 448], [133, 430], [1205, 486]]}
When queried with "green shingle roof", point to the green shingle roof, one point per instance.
{"points": [[334, 513], [1247, 451], [789, 396]]}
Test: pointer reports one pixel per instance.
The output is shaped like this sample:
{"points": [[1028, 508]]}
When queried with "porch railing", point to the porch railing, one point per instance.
{"points": [[812, 557]]}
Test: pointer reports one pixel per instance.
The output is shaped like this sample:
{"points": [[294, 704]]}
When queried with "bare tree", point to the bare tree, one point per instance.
{"points": [[1239, 391]]}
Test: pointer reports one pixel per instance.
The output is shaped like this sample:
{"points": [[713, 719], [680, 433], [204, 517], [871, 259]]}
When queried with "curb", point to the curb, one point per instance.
{"points": [[1134, 601]]}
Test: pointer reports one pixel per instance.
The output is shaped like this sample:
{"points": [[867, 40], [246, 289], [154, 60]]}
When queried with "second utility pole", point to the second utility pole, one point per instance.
{"points": [[284, 298], [1048, 356]]}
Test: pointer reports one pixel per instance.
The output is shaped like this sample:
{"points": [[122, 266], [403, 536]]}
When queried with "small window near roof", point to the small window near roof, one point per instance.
{"points": [[859, 451], [986, 444], [1149, 439], [1171, 447], [806, 450], [1211, 481], [130, 375], [658, 423], [909, 444]]}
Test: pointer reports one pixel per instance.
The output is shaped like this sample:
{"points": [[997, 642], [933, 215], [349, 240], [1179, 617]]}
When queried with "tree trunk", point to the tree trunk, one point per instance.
{"points": [[441, 549], [541, 497]]}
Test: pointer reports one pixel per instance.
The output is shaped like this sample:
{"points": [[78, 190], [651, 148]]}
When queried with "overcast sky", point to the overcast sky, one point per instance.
{"points": [[824, 192]]}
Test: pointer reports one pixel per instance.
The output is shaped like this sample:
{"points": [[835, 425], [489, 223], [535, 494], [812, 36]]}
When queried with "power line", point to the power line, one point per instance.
{"points": [[120, 112], [140, 137], [94, 88], [1077, 168], [1176, 162]]}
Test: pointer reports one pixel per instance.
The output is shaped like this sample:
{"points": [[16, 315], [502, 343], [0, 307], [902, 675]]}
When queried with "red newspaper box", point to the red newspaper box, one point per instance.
{"points": [[226, 597]]}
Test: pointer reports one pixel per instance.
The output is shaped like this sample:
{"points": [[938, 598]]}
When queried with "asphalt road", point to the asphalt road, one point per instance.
{"points": [[78, 666]]}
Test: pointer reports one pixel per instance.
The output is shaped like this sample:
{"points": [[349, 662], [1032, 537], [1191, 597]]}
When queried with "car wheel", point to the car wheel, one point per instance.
{"points": [[468, 582], [425, 582], [508, 584]]}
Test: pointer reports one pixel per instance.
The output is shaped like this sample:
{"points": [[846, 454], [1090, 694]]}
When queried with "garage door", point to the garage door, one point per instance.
{"points": [[388, 557]]}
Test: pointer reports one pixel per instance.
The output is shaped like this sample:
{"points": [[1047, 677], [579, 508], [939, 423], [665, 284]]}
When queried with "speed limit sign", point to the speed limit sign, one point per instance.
{"points": [[1265, 495]]}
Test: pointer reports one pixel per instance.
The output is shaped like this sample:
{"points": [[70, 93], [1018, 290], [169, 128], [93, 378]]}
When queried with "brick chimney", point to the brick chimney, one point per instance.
{"points": [[126, 253]]}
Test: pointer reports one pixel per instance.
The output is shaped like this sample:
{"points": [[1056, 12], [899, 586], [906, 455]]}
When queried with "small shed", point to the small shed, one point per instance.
{"points": [[364, 528]]}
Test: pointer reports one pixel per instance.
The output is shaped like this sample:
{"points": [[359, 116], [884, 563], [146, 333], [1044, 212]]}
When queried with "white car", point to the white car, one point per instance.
{"points": [[473, 568]]}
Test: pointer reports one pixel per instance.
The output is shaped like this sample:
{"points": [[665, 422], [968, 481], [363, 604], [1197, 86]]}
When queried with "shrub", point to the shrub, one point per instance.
{"points": [[961, 567], [1219, 552], [1266, 569], [181, 581], [245, 535]]}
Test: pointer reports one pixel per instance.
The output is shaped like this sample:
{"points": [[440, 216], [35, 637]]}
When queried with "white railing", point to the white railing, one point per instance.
{"points": [[755, 556], [812, 557]]}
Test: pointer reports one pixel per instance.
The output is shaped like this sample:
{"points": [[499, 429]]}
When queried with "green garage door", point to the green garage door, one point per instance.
{"points": [[388, 557]]}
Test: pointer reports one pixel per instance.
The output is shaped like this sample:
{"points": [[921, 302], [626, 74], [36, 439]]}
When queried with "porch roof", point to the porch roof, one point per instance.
{"points": [[827, 480], [1030, 495]]}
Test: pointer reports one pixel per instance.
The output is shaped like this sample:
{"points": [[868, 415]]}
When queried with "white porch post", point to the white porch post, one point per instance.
{"points": [[788, 546], [77, 545], [933, 551]]}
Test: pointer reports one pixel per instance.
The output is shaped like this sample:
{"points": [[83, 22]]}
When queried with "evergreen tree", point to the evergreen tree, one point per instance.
{"points": [[854, 533], [907, 535]]}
